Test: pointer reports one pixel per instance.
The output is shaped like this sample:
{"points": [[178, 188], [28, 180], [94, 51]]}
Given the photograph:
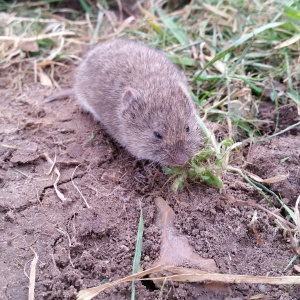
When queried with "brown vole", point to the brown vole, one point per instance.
{"points": [[142, 100]]}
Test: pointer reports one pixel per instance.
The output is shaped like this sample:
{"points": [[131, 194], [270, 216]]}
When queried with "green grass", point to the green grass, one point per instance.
{"points": [[138, 251]]}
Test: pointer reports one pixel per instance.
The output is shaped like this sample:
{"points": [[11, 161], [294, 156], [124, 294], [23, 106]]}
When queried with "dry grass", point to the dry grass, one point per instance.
{"points": [[188, 275]]}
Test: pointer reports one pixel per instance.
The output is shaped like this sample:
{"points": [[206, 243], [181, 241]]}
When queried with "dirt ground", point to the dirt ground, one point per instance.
{"points": [[80, 247]]}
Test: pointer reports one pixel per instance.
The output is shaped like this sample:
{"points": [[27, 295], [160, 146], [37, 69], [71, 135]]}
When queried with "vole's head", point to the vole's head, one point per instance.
{"points": [[160, 126]]}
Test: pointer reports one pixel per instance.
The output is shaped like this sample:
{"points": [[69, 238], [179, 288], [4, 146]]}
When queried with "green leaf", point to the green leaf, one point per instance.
{"points": [[293, 95], [85, 7], [211, 179], [98, 26], [156, 28], [183, 61], [283, 160], [176, 30], [227, 143], [292, 13], [45, 43], [216, 58], [178, 182], [173, 170], [203, 77], [255, 89], [204, 155]]}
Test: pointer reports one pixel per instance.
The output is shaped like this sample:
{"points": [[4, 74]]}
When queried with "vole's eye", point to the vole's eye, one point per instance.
{"points": [[157, 135], [187, 128]]}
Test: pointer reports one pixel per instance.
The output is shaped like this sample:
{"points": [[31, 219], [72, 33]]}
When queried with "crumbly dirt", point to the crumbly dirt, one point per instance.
{"points": [[80, 247]]}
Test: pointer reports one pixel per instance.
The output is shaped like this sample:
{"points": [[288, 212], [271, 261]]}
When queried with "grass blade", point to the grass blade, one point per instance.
{"points": [[176, 30], [295, 38], [255, 32], [138, 250], [216, 58], [292, 13], [85, 7], [240, 58]]}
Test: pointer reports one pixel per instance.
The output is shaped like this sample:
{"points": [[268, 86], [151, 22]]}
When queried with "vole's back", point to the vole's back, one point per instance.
{"points": [[149, 78], [114, 65]]}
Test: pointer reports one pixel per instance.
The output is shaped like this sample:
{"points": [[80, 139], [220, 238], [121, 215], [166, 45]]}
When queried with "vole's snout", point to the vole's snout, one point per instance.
{"points": [[178, 154], [180, 159]]}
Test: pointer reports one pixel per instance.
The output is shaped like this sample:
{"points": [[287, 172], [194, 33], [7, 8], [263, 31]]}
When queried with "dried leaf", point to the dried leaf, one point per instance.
{"points": [[44, 79], [175, 249], [219, 65], [30, 46], [47, 63], [274, 179], [217, 11]]}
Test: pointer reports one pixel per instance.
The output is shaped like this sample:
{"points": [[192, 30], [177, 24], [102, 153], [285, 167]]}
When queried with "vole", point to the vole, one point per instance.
{"points": [[141, 98]]}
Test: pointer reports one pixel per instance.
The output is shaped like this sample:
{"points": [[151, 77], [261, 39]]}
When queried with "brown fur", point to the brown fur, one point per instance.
{"points": [[141, 99]]}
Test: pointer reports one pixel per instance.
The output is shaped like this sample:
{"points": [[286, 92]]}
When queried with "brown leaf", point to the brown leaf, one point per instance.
{"points": [[175, 249]]}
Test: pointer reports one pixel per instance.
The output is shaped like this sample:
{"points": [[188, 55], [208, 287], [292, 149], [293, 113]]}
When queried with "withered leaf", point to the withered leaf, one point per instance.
{"points": [[175, 249]]}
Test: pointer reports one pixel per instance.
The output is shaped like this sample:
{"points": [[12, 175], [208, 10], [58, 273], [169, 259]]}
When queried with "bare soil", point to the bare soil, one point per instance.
{"points": [[80, 247]]}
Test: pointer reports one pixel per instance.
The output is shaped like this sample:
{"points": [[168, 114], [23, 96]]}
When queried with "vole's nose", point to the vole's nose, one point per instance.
{"points": [[179, 159], [178, 155]]}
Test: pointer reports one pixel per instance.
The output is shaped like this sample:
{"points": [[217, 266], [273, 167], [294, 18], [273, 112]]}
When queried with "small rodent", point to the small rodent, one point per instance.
{"points": [[141, 98]]}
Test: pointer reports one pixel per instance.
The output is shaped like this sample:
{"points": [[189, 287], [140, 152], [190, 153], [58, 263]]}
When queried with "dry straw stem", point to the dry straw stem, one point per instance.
{"points": [[54, 169], [36, 38], [78, 190], [9, 146], [269, 180], [189, 275], [32, 275], [297, 216]]}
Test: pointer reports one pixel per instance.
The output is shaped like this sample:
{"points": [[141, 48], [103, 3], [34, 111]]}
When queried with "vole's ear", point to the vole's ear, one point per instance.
{"points": [[131, 97], [131, 100]]}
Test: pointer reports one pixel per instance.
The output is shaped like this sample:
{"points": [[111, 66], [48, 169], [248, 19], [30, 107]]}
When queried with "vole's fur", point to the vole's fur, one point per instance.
{"points": [[141, 99]]}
